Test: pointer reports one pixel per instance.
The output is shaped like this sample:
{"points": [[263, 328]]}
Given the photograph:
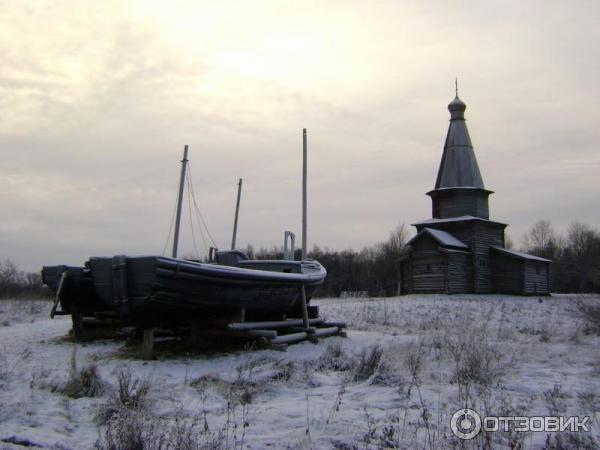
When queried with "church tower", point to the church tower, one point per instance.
{"points": [[459, 189], [460, 249]]}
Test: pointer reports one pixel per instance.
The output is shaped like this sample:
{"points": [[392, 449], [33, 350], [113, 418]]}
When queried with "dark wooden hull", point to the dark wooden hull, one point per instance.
{"points": [[158, 290]]}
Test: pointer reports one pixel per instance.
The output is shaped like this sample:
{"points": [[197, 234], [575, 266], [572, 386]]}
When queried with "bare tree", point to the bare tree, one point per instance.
{"points": [[34, 281], [15, 282], [8, 277], [582, 258], [542, 240], [580, 238], [386, 264]]}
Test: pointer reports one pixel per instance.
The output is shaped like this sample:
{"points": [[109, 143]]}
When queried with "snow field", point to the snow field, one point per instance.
{"points": [[407, 365]]}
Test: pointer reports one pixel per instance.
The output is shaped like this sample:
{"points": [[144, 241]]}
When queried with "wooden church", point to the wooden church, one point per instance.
{"points": [[460, 250]]}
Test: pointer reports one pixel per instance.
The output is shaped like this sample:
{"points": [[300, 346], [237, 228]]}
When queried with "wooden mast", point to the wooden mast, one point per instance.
{"points": [[304, 163], [179, 202], [148, 339], [303, 302], [237, 211]]}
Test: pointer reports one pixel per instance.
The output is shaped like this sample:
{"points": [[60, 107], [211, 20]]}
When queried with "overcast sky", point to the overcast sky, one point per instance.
{"points": [[97, 100]]}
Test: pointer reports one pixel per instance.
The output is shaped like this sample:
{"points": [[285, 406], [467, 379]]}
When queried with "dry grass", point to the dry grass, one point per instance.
{"points": [[130, 397], [367, 364], [132, 430], [84, 382], [589, 311], [334, 359], [23, 311], [4, 369], [250, 380]]}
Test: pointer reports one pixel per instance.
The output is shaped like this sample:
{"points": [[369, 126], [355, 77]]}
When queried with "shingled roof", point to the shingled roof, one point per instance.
{"points": [[519, 255], [442, 237], [458, 167]]}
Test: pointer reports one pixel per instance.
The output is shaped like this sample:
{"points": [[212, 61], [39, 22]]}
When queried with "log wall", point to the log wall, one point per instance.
{"points": [[507, 274], [536, 275], [428, 267], [459, 273], [484, 236], [460, 203], [406, 276], [478, 236]]}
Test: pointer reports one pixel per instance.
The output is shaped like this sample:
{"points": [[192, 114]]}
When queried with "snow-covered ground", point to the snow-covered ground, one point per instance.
{"points": [[406, 366]]}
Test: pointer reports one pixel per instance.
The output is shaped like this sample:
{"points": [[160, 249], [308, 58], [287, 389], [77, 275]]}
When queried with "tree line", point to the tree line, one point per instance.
{"points": [[375, 270], [15, 283], [575, 255]]}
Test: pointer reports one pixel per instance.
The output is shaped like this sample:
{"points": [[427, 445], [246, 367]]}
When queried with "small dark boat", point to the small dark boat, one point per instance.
{"points": [[156, 290], [152, 291]]}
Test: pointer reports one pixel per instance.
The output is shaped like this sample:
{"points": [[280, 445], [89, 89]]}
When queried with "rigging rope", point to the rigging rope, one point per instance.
{"points": [[191, 184], [202, 234], [198, 215], [192, 223]]}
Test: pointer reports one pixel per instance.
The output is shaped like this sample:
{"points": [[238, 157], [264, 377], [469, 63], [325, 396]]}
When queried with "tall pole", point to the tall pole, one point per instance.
{"points": [[180, 201], [304, 158], [237, 211], [303, 300]]}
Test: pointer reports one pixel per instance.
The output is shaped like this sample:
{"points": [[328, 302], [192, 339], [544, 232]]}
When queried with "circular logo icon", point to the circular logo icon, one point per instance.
{"points": [[465, 424]]}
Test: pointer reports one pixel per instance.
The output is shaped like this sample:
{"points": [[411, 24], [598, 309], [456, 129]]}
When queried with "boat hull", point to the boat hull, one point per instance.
{"points": [[153, 290]]}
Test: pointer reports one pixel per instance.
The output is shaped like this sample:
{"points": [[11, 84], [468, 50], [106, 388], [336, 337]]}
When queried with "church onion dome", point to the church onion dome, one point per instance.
{"points": [[457, 108]]}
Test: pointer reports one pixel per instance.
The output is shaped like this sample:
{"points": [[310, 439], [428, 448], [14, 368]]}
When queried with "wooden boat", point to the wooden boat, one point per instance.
{"points": [[157, 290], [151, 291]]}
